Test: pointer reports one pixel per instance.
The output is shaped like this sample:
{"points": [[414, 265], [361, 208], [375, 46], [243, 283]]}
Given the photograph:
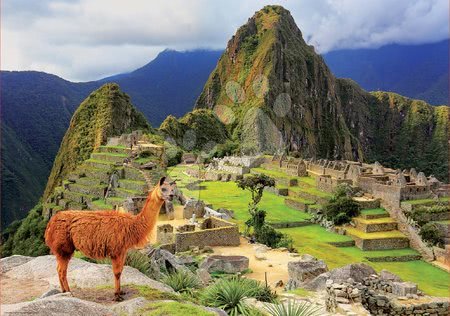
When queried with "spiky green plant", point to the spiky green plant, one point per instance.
{"points": [[229, 294], [182, 281], [293, 309]]}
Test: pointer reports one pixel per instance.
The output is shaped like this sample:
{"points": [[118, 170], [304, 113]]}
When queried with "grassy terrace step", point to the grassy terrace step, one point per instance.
{"points": [[378, 240], [298, 203], [112, 157], [78, 197], [136, 185], [101, 205], [114, 149], [100, 174], [427, 201], [133, 174], [124, 193], [375, 225], [114, 200], [88, 181], [96, 190], [374, 213], [280, 174], [101, 164]]}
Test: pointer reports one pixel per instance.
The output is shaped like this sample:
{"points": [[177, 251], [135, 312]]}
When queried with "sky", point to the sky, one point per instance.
{"points": [[83, 40]]}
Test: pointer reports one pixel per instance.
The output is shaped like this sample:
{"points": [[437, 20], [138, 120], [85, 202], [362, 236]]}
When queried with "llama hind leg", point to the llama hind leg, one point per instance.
{"points": [[117, 265], [62, 265]]}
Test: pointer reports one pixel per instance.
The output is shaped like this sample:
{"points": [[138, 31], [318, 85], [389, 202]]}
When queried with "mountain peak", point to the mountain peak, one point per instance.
{"points": [[106, 112]]}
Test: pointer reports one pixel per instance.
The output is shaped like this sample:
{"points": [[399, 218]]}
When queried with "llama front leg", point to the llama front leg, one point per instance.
{"points": [[117, 265], [62, 264]]}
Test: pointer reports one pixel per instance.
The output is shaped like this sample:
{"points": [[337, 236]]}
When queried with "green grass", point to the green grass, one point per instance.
{"points": [[374, 211], [173, 309], [115, 147], [447, 222], [111, 154], [312, 191], [302, 292], [383, 220], [100, 203], [376, 235], [426, 201]]}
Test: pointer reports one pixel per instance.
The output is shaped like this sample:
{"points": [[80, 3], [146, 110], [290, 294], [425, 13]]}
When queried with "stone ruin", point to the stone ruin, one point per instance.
{"points": [[212, 231], [226, 169], [392, 186]]}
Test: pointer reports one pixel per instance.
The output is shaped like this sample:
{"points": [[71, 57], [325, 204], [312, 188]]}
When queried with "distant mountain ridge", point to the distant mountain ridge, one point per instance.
{"points": [[416, 71]]}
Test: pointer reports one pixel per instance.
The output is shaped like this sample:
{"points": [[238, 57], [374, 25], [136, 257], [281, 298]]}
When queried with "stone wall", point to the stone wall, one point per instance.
{"points": [[164, 234], [384, 297], [329, 184], [226, 235]]}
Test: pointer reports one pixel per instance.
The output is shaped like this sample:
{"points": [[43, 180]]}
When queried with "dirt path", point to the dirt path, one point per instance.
{"points": [[275, 264]]}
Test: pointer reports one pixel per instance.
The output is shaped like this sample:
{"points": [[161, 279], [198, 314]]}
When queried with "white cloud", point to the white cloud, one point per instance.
{"points": [[89, 39]]}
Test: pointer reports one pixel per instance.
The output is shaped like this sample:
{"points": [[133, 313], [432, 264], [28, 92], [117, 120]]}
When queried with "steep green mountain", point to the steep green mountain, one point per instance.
{"points": [[277, 94], [197, 130], [106, 112]]}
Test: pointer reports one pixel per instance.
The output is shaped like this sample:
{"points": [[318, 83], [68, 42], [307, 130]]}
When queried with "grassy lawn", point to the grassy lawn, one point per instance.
{"points": [[101, 204], [383, 220]]}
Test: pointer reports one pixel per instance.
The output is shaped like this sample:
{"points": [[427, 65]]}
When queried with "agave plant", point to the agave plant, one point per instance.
{"points": [[293, 309], [182, 281]]}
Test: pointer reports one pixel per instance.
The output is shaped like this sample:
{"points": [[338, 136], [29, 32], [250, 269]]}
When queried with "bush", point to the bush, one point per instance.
{"points": [[228, 294], [27, 238], [173, 153], [293, 309], [424, 214], [341, 209], [226, 149], [432, 235], [182, 281], [267, 235]]}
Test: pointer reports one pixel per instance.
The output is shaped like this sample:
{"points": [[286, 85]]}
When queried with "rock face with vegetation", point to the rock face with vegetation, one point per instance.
{"points": [[106, 112], [199, 129], [276, 93]]}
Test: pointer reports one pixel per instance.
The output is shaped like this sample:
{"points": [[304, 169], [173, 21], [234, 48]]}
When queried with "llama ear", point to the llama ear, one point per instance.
{"points": [[161, 181]]}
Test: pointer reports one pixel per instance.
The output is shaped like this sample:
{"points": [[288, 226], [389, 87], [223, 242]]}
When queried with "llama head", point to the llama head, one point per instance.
{"points": [[167, 188]]}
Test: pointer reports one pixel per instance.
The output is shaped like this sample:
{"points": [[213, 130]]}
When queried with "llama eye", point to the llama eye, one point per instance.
{"points": [[164, 189]]}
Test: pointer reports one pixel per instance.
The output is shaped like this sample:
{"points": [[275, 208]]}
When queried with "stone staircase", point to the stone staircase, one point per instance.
{"points": [[374, 229]]}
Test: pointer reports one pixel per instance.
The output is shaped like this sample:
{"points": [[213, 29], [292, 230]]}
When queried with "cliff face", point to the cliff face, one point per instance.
{"points": [[275, 93], [106, 112]]}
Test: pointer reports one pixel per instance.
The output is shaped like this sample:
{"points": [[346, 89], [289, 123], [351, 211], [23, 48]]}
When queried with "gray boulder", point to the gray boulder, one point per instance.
{"points": [[303, 271], [130, 307], [228, 264], [165, 260], [8, 263], [194, 207], [389, 276], [356, 271], [60, 304], [81, 273], [228, 214]]}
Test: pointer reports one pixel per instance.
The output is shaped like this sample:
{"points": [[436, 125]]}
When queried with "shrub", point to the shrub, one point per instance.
{"points": [[267, 235], [293, 309], [27, 238], [182, 281], [228, 294], [341, 209], [424, 214], [173, 153], [226, 149], [431, 234]]}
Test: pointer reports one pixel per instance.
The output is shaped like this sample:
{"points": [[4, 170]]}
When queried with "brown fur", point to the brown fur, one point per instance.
{"points": [[102, 234]]}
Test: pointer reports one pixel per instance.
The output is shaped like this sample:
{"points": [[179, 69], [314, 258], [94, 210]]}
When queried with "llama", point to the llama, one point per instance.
{"points": [[102, 234]]}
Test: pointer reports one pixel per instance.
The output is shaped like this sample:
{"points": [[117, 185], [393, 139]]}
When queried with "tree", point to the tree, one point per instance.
{"points": [[341, 207], [263, 232]]}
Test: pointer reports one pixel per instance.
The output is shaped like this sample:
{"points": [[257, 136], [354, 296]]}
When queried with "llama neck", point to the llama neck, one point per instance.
{"points": [[146, 219], [150, 211]]}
